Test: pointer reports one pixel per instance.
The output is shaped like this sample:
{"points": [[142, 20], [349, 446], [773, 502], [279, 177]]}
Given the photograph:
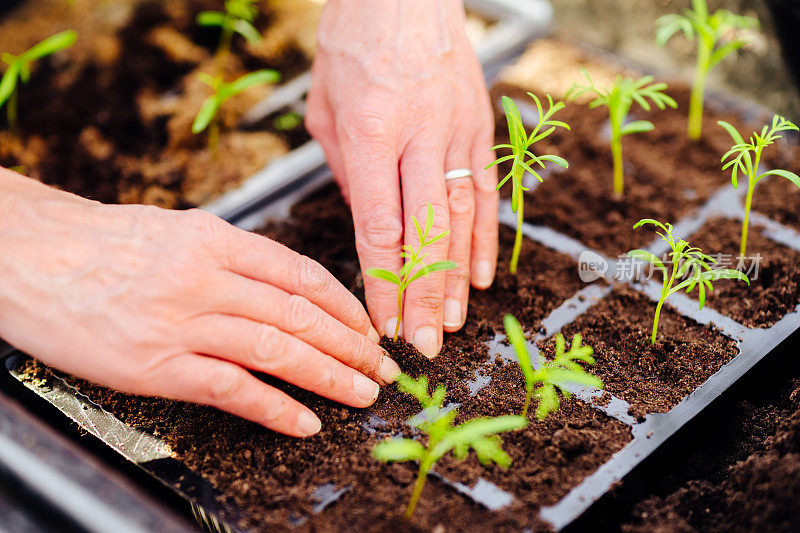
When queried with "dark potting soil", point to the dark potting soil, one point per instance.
{"points": [[666, 175], [651, 378], [778, 198], [117, 139], [549, 456], [321, 227], [774, 287]]}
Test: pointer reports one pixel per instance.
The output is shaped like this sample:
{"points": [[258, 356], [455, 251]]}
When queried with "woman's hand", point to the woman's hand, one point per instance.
{"points": [[398, 99], [180, 305]]}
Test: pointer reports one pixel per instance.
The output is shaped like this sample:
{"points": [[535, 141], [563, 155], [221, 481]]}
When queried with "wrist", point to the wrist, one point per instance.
{"points": [[362, 27]]}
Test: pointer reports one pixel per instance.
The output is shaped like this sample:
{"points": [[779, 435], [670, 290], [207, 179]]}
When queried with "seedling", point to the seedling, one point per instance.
{"points": [[746, 157], [717, 36], [685, 262], [520, 147], [287, 121], [619, 98], [436, 422], [208, 116], [551, 375], [19, 70], [413, 258], [237, 18]]}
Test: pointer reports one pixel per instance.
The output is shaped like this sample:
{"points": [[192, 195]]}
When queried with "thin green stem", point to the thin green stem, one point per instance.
{"points": [[664, 293], [751, 187], [655, 321], [422, 476], [616, 152], [518, 239], [399, 314], [698, 92]]}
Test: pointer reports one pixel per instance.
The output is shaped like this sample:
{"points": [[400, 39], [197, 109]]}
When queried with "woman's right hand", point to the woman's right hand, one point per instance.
{"points": [[179, 304]]}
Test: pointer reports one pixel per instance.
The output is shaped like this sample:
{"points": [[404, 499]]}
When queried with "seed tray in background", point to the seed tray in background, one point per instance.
{"points": [[513, 24]]}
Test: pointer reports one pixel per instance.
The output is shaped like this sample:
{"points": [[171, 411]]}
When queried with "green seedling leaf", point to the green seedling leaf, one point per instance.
{"points": [[237, 19], [637, 126], [19, 69], [523, 159], [210, 18], [414, 266], [619, 98], [745, 157], [247, 30], [555, 374], [717, 35], [686, 262], [207, 115], [480, 434], [398, 450], [50, 46]]}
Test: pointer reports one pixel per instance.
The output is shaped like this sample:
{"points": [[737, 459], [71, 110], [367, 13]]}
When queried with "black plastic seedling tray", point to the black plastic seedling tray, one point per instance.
{"points": [[648, 435]]}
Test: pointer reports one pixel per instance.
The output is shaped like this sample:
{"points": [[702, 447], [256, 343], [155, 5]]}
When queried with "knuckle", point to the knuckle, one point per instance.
{"points": [[202, 221], [224, 385], [301, 314], [316, 123], [381, 229], [459, 275], [312, 277], [462, 198], [429, 301], [268, 346]]}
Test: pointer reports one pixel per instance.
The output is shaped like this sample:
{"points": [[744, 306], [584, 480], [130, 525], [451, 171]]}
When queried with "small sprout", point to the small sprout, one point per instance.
{"points": [[520, 146], [685, 262], [711, 31], [208, 116], [436, 422], [287, 121], [19, 70], [413, 259], [237, 18], [746, 157], [619, 98], [563, 369]]}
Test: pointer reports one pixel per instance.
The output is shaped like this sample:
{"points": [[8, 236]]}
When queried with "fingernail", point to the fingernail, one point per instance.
{"points": [[372, 335], [365, 388], [452, 313], [308, 424], [388, 329], [427, 342], [484, 274], [388, 370]]}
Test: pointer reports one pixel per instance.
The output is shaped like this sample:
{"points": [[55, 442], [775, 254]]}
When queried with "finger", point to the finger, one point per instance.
{"points": [[229, 387], [370, 162], [319, 122], [485, 232], [267, 349], [297, 316], [265, 260], [461, 202], [422, 170]]}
